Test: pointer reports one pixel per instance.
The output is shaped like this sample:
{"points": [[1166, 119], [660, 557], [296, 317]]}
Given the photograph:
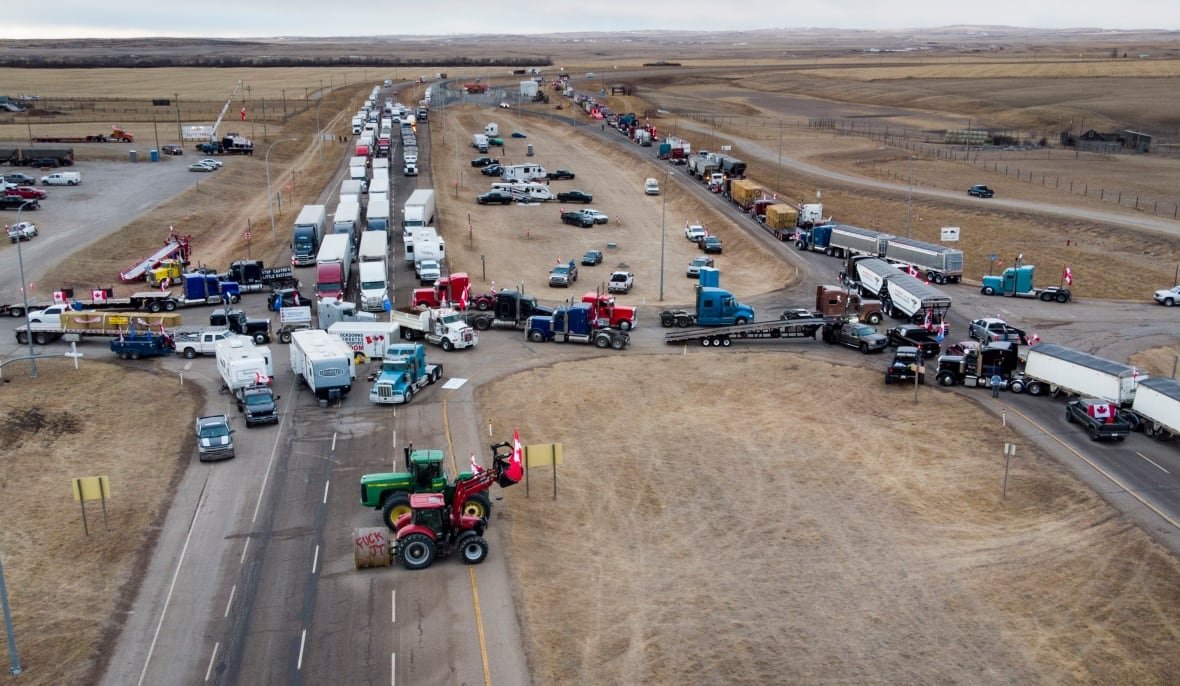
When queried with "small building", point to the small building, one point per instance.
{"points": [[1136, 141]]}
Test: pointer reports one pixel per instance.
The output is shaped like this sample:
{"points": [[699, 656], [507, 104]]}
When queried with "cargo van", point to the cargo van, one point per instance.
{"points": [[651, 186], [479, 142], [62, 179]]}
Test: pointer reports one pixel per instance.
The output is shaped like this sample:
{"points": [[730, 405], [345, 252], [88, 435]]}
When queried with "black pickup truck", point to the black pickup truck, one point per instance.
{"points": [[1100, 418], [577, 218], [236, 321]]}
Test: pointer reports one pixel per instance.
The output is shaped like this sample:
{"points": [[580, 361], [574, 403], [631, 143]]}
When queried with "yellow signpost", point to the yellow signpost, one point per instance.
{"points": [[92, 488], [542, 455]]}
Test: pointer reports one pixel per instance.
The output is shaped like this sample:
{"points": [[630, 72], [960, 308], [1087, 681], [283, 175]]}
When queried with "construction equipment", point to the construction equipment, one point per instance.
{"points": [[390, 491], [176, 247], [434, 527], [117, 135]]}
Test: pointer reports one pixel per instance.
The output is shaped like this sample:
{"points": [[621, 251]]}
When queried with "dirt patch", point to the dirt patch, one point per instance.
{"points": [[712, 539], [68, 590]]}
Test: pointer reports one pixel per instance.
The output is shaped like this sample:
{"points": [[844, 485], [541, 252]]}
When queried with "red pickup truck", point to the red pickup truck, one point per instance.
{"points": [[26, 192]]}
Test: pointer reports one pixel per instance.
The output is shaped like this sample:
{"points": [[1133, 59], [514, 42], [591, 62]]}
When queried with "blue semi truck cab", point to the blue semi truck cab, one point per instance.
{"points": [[574, 324], [815, 239], [715, 306]]}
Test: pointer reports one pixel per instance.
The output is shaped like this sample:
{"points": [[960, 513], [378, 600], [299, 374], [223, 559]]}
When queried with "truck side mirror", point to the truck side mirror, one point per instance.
{"points": [[278, 397]]}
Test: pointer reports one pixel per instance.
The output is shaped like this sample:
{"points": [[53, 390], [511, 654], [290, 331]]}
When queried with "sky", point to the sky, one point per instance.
{"points": [[264, 18]]}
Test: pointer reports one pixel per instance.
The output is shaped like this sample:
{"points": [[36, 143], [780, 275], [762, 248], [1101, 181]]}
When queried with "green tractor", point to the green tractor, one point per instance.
{"points": [[390, 491]]}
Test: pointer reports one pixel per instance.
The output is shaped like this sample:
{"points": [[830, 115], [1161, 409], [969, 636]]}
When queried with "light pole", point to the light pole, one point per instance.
{"points": [[25, 291], [13, 657], [270, 197], [909, 198], [319, 134], [663, 226]]}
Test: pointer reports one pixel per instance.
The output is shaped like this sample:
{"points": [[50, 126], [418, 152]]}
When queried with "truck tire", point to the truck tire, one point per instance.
{"points": [[602, 340], [1168, 302], [1068, 416], [417, 551], [864, 348], [936, 278], [726, 342], [260, 338], [1063, 297], [22, 337], [123, 355], [284, 337], [154, 306], [478, 505], [135, 354], [1035, 388], [1093, 433], [409, 395], [169, 305], [473, 549], [20, 311], [874, 318], [741, 320], [1016, 386], [683, 322], [446, 345], [482, 305], [40, 338], [190, 353], [234, 299], [536, 336], [946, 379], [618, 342], [667, 320], [483, 323], [988, 290], [1046, 296], [395, 506], [625, 325]]}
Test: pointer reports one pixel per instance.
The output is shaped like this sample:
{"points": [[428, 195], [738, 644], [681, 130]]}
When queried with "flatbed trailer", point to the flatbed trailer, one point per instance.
{"points": [[18, 309], [112, 325], [768, 330]]}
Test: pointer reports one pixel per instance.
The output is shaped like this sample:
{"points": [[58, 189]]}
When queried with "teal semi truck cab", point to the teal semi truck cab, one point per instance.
{"points": [[404, 371], [715, 306], [1018, 282]]}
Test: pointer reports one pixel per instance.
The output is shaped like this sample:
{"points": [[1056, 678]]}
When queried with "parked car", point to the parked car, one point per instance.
{"points": [[1100, 418], [494, 198], [201, 167], [505, 105], [216, 164], [592, 257], [560, 174], [22, 231], [18, 179], [694, 232], [171, 149], [484, 161], [598, 217], [694, 267], [492, 170], [214, 438], [575, 196], [1168, 296], [26, 192], [518, 134], [980, 191], [15, 202], [711, 244], [915, 336], [290, 297]]}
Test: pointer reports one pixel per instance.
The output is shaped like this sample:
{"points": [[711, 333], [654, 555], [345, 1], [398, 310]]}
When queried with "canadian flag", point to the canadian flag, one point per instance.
{"points": [[475, 465], [516, 465], [261, 379], [911, 270], [1102, 411], [243, 113], [463, 297], [1067, 275], [296, 298]]}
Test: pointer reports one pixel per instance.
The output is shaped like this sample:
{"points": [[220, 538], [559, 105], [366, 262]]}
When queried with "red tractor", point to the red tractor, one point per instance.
{"points": [[433, 527]]}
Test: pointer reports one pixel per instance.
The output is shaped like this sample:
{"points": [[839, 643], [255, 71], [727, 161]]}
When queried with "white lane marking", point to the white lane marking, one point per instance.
{"points": [[302, 642], [393, 606], [326, 483], [172, 586], [273, 451], [392, 669], [212, 659], [315, 560], [230, 602], [242, 559], [1152, 462], [333, 441]]}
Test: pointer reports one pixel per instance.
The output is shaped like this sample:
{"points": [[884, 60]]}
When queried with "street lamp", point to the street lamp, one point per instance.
{"points": [[25, 291], [270, 197], [319, 133], [663, 226]]}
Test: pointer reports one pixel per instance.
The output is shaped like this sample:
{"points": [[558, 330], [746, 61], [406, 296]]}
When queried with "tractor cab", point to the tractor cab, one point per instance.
{"points": [[430, 511], [426, 469]]}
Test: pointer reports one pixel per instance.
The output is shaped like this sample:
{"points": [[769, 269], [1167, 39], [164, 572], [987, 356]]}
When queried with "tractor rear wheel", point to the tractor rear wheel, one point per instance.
{"points": [[473, 549], [395, 506], [417, 551], [478, 505]]}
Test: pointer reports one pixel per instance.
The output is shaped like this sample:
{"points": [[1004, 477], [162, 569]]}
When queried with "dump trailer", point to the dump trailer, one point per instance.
{"points": [[869, 275], [780, 220], [1054, 369], [1018, 282], [701, 166], [1156, 408], [908, 298], [853, 240], [133, 346], [938, 263]]}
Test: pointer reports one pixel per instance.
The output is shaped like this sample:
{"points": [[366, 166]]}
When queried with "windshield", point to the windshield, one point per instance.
{"points": [[864, 331], [213, 431], [258, 399], [372, 285], [452, 318], [329, 287]]}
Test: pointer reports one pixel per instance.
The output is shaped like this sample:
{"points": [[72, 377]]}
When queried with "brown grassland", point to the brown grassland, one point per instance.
{"points": [[710, 539]]}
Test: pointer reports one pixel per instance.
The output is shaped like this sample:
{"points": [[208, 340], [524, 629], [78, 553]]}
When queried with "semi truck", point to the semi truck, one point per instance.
{"points": [[347, 220], [977, 364], [252, 276], [575, 324], [1018, 282], [377, 214], [836, 301], [714, 306], [451, 290], [938, 263], [235, 320], [1054, 369], [732, 167], [1156, 407], [443, 327], [309, 230], [702, 165], [606, 310], [853, 240], [207, 289], [418, 211], [743, 193], [404, 372], [324, 363], [781, 220], [371, 339], [510, 309], [333, 263]]}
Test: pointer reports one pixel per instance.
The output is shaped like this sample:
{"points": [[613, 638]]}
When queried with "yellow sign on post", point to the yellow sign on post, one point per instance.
{"points": [[92, 488], [542, 455]]}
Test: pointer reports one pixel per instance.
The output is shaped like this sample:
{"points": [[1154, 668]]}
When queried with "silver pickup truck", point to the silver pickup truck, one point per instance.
{"points": [[193, 342]]}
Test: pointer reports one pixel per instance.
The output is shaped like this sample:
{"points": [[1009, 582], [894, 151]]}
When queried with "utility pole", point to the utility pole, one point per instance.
{"points": [[179, 132]]}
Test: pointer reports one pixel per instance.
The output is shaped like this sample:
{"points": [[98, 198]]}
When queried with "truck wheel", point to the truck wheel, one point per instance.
{"points": [[536, 336], [741, 320], [447, 345], [16, 311], [482, 305], [1046, 296], [1133, 420], [474, 549], [41, 338], [602, 340], [169, 305], [1068, 416], [1167, 303], [725, 342], [1016, 387], [667, 321], [123, 355], [625, 325], [864, 348], [988, 290], [284, 337], [135, 354], [1093, 433], [799, 244], [1063, 297], [409, 396], [1035, 388], [154, 306], [395, 506], [888, 379], [829, 251], [946, 379], [874, 318], [483, 323], [417, 551], [22, 337], [683, 322], [618, 342], [478, 505], [939, 279], [189, 353], [259, 338]]}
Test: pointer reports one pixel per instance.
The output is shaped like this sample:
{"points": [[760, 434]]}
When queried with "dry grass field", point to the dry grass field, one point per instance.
{"points": [[894, 564], [711, 539]]}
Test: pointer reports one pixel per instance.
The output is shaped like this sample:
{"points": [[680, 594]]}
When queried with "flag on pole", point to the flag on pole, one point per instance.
{"points": [[516, 465], [463, 296], [1067, 275], [941, 331], [927, 324], [475, 465], [243, 114]]}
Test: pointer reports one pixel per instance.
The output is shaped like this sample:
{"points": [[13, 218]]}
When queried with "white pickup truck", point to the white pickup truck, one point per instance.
{"points": [[22, 231], [193, 342]]}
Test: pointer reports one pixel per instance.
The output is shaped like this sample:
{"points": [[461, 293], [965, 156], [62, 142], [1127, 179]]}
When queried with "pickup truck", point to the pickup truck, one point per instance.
{"points": [[620, 282], [916, 336], [993, 329], [235, 320], [563, 275], [574, 195], [22, 231], [695, 232], [200, 342], [576, 218], [854, 335], [1100, 418], [904, 366], [215, 440], [257, 403]]}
